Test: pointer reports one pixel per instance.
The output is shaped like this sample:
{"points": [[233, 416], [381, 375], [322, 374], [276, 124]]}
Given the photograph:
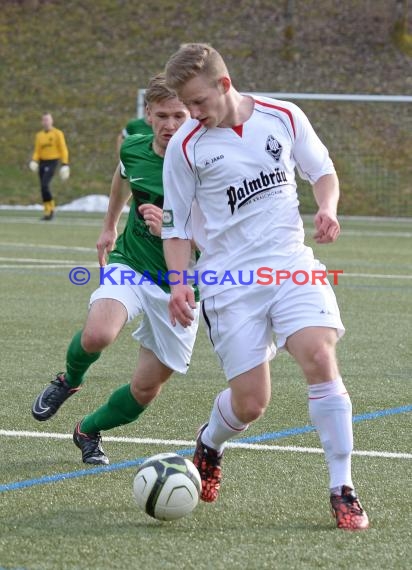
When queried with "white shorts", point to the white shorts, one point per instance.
{"points": [[241, 321], [173, 346]]}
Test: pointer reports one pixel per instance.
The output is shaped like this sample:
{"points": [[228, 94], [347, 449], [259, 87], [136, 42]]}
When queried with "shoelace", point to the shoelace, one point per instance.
{"points": [[354, 504], [211, 461], [92, 447], [55, 396]]}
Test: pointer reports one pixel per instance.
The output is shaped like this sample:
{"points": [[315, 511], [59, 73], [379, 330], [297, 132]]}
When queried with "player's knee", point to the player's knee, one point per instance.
{"points": [[95, 340], [144, 394], [321, 359], [250, 410]]}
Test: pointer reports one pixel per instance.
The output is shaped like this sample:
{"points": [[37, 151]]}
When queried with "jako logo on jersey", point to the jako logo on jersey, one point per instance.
{"points": [[210, 161], [240, 196], [273, 147]]}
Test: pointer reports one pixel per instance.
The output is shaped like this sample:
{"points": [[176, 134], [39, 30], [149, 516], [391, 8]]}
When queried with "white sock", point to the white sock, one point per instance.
{"points": [[330, 410], [223, 424]]}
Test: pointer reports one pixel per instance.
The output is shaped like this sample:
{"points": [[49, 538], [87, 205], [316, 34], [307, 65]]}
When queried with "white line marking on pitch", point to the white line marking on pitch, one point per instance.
{"points": [[265, 447], [191, 443], [43, 266], [47, 246], [87, 265], [97, 220], [372, 233], [67, 222], [35, 260]]}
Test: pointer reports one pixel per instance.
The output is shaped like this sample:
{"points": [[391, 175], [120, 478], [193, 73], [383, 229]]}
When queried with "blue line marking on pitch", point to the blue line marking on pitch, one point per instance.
{"points": [[382, 413], [189, 451], [308, 429]]}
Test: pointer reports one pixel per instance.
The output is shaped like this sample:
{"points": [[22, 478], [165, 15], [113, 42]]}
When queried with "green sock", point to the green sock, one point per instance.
{"points": [[121, 408], [78, 361]]}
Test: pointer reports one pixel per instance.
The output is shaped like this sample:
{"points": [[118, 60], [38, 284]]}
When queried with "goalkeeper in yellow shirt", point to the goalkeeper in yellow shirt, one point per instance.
{"points": [[49, 147]]}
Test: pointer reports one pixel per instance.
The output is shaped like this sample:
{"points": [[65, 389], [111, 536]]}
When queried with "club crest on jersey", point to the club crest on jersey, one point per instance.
{"points": [[273, 147], [168, 219]]}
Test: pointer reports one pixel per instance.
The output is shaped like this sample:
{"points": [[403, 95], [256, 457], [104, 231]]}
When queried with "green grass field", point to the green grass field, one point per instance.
{"points": [[273, 511]]}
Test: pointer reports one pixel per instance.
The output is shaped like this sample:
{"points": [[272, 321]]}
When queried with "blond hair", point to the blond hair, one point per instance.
{"points": [[192, 60], [157, 90]]}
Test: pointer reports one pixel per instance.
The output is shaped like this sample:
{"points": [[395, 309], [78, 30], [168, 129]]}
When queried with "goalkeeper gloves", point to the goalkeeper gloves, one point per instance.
{"points": [[34, 166], [64, 172]]}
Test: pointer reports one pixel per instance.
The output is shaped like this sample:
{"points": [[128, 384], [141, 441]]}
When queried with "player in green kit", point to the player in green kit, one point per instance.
{"points": [[136, 254], [138, 126]]}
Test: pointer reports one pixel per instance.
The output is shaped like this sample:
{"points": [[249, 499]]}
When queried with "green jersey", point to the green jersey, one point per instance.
{"points": [[136, 246], [137, 127]]}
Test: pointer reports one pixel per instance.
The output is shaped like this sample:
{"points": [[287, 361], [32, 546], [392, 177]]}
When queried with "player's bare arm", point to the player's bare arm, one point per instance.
{"points": [[153, 217], [177, 254], [119, 141], [118, 199], [326, 192]]}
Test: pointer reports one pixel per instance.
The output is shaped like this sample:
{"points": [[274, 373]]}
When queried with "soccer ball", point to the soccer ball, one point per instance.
{"points": [[167, 486]]}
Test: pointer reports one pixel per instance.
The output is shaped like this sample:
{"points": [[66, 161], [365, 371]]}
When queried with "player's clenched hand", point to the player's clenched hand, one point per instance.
{"points": [[327, 227], [182, 301], [152, 216], [105, 244]]}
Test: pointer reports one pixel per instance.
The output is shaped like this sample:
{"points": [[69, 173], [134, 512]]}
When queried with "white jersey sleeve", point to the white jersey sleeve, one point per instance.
{"points": [[179, 186], [311, 155]]}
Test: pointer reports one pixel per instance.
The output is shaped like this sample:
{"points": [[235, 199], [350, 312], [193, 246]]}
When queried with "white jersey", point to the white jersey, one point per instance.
{"points": [[233, 190]]}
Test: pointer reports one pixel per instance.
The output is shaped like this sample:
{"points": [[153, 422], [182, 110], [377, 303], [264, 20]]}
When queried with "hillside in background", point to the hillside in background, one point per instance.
{"points": [[84, 62]]}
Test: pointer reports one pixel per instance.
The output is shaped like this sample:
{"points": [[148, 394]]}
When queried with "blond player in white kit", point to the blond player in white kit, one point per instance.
{"points": [[230, 172]]}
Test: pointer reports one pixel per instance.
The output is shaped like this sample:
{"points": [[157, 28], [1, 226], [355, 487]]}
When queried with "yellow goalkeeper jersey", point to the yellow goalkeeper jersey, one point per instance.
{"points": [[50, 145]]}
